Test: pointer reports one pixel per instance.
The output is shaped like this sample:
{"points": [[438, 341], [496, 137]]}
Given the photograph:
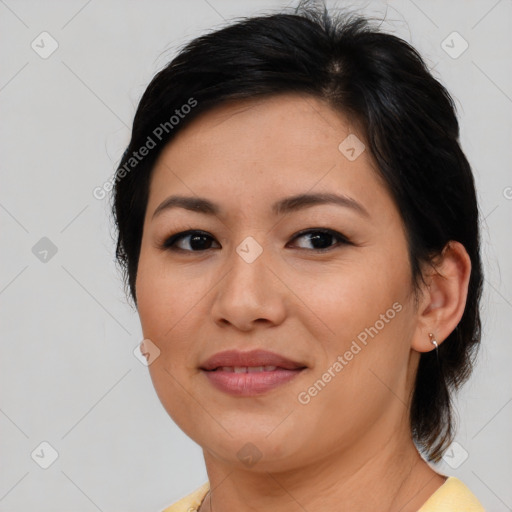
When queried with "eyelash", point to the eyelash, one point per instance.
{"points": [[169, 243]]}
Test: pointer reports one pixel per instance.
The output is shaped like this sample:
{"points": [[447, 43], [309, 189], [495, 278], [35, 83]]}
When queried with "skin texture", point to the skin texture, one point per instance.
{"points": [[309, 306]]}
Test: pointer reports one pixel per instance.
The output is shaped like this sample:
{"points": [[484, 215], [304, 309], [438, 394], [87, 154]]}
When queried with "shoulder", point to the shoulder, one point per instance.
{"points": [[191, 501], [452, 496]]}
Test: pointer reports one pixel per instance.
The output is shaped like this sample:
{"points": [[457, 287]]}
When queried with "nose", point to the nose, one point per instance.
{"points": [[250, 294]]}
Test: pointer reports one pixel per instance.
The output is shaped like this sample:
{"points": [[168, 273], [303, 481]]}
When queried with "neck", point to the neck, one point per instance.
{"points": [[392, 478]]}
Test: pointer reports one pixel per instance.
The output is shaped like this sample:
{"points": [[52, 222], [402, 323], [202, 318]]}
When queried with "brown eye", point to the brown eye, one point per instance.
{"points": [[190, 241], [321, 239]]}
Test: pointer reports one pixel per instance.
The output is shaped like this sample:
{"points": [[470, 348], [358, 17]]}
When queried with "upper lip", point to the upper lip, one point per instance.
{"points": [[257, 357]]}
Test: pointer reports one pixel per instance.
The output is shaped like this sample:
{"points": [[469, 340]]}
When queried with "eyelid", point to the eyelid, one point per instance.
{"points": [[335, 234]]}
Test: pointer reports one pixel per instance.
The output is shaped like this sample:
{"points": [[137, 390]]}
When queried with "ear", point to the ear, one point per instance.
{"points": [[443, 297]]}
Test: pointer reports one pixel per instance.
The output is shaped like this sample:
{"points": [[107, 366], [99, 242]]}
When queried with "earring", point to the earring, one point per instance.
{"points": [[434, 342]]}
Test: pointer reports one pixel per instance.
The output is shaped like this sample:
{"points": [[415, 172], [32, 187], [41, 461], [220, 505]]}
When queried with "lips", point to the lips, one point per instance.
{"points": [[252, 361], [248, 374]]}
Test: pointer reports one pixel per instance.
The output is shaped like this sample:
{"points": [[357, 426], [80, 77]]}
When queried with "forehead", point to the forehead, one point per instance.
{"points": [[266, 148], [274, 120]]}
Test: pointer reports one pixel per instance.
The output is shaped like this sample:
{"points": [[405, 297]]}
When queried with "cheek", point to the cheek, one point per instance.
{"points": [[165, 302], [171, 307], [151, 299], [366, 318], [164, 296], [351, 296]]}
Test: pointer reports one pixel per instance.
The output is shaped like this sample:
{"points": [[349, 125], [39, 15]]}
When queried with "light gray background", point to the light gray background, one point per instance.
{"points": [[68, 373]]}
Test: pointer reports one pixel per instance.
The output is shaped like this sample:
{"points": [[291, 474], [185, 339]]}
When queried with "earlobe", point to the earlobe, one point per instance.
{"points": [[444, 297]]}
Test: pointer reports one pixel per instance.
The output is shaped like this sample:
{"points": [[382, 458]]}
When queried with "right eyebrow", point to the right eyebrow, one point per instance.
{"points": [[194, 204]]}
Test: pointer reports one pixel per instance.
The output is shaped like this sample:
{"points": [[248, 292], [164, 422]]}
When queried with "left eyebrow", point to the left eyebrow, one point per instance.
{"points": [[286, 205], [301, 201]]}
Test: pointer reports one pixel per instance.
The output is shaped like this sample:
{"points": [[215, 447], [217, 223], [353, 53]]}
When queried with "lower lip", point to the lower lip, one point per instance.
{"points": [[249, 384]]}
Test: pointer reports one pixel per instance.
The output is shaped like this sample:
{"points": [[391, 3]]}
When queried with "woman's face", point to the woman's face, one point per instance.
{"points": [[249, 281]]}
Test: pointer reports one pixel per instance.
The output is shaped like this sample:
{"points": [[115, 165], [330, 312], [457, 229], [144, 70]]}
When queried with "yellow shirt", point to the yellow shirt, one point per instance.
{"points": [[452, 496]]}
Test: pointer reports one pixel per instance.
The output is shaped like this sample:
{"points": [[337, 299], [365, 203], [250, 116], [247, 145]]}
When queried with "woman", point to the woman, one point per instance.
{"points": [[299, 230]]}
